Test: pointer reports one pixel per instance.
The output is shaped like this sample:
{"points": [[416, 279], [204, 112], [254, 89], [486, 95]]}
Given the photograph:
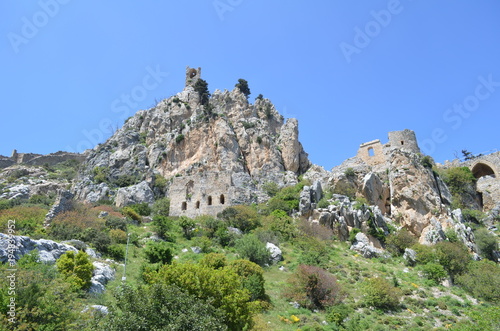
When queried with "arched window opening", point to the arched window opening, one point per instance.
{"points": [[197, 205], [184, 205], [222, 199], [209, 200], [371, 152]]}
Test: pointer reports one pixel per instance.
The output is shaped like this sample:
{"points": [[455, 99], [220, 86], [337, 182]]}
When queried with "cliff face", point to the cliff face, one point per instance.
{"points": [[181, 137]]}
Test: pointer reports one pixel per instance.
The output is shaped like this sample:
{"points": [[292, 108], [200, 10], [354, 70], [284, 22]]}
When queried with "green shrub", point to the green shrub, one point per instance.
{"points": [[344, 187], [251, 248], [76, 269], [242, 217], [161, 207], [187, 225], [457, 179], [118, 236], [44, 301], [454, 257], [434, 271], [248, 125], [338, 313], [179, 138], [141, 208], [28, 219], [280, 223], [116, 252], [160, 182], [116, 223], [39, 199], [100, 174], [486, 242], [427, 161], [349, 172], [125, 180], [131, 213], [353, 233], [399, 241], [214, 260], [313, 252], [271, 188], [425, 254], [380, 293], [472, 215], [222, 288], [314, 288], [159, 307], [162, 226], [323, 203], [252, 276], [158, 252], [482, 279]]}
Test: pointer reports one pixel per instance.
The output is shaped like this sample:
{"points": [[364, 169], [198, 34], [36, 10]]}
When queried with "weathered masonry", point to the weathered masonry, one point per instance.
{"points": [[372, 152], [202, 194]]}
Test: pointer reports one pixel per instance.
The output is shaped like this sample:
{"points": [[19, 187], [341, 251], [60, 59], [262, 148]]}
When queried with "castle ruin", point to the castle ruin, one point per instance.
{"points": [[372, 152]]}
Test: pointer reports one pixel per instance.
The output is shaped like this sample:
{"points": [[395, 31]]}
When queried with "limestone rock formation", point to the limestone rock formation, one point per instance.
{"points": [[246, 144]]}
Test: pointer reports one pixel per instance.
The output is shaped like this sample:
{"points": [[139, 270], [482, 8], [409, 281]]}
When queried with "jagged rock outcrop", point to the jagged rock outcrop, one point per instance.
{"points": [[134, 194], [49, 251], [102, 274], [363, 246], [182, 137], [22, 182]]}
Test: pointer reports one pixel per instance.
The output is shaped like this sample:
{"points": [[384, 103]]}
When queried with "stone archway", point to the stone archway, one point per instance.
{"points": [[483, 168]]}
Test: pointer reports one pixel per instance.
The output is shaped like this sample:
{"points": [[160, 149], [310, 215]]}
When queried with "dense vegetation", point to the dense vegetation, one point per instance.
{"points": [[202, 274]]}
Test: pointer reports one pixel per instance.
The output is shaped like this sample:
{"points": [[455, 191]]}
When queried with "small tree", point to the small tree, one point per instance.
{"points": [[187, 225], [380, 293], [487, 243], [201, 86], [251, 248], [314, 287], [242, 85], [158, 252], [397, 242], [76, 269]]}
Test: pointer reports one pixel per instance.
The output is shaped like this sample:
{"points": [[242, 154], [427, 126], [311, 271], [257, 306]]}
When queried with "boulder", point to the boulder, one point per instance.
{"points": [[363, 246], [49, 251], [134, 194], [275, 252], [410, 256]]}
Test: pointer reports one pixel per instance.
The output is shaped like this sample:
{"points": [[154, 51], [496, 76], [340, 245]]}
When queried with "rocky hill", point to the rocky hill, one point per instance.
{"points": [[246, 144]]}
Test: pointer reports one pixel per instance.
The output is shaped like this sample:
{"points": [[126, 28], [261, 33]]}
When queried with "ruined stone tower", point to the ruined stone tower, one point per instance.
{"points": [[405, 140], [192, 75]]}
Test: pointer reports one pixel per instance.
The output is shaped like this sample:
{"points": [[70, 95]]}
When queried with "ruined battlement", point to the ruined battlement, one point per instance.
{"points": [[372, 152], [39, 159]]}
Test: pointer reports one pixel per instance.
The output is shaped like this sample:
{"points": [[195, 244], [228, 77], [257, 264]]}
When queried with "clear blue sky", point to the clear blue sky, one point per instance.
{"points": [[350, 71]]}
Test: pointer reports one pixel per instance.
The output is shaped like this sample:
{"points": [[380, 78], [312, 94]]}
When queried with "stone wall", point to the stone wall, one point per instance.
{"points": [[202, 194], [371, 152], [192, 75], [39, 159]]}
